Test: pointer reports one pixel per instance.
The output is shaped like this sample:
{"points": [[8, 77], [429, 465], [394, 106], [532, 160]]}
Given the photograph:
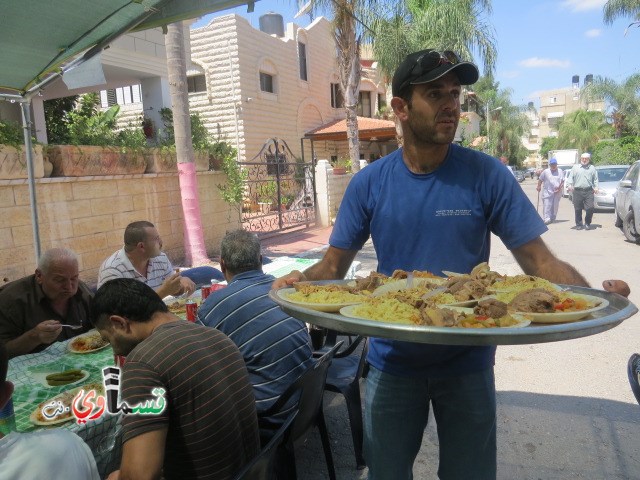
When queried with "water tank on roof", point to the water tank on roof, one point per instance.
{"points": [[588, 79], [272, 24]]}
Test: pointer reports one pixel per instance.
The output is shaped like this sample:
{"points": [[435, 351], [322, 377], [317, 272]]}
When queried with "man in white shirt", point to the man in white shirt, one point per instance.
{"points": [[551, 182], [142, 258], [54, 454]]}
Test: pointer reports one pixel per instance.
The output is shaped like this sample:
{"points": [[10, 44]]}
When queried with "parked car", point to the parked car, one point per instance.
{"points": [[627, 203], [608, 178], [516, 173], [567, 170]]}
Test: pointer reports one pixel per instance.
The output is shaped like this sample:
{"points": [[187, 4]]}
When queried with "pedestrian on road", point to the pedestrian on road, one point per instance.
{"points": [[432, 205], [583, 182], [552, 179]]}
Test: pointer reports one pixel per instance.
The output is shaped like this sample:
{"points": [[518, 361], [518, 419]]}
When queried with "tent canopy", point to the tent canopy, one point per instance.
{"points": [[39, 37]]}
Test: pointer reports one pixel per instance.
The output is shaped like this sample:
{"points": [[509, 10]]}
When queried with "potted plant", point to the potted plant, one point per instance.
{"points": [[342, 166]]}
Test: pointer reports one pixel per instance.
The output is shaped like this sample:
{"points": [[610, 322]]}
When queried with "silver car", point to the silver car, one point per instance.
{"points": [[627, 203], [608, 178]]}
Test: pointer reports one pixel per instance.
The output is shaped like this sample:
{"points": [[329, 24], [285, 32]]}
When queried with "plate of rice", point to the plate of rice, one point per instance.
{"points": [[323, 300]]}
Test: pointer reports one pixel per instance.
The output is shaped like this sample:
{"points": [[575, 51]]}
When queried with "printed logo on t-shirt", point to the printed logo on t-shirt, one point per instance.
{"points": [[453, 213]]}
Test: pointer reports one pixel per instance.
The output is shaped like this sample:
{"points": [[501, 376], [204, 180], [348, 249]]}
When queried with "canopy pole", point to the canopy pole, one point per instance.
{"points": [[26, 125]]}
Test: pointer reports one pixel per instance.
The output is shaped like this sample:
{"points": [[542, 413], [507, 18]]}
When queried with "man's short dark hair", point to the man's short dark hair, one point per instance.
{"points": [[4, 364], [240, 251], [136, 232], [126, 297]]}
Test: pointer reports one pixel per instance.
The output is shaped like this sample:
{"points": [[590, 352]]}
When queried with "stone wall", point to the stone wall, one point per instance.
{"points": [[89, 215]]}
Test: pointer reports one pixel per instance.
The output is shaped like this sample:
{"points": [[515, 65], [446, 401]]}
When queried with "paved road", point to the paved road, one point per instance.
{"points": [[565, 409]]}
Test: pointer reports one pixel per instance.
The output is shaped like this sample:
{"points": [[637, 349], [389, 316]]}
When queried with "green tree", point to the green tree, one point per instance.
{"points": [[56, 119], [583, 130], [621, 8], [413, 25], [621, 151], [548, 144], [623, 100]]}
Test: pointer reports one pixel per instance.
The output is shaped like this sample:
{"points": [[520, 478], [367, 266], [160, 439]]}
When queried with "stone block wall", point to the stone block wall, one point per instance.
{"points": [[89, 215]]}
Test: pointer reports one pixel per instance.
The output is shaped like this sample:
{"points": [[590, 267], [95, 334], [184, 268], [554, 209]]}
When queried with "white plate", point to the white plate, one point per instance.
{"points": [[523, 321], [67, 416], [41, 377], [562, 317], [284, 293], [90, 333]]}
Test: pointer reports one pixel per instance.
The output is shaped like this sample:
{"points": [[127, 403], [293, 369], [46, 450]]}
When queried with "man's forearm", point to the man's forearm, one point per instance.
{"points": [[334, 265]]}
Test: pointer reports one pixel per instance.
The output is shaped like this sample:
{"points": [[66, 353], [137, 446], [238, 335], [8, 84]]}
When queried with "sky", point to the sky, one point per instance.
{"points": [[541, 44]]}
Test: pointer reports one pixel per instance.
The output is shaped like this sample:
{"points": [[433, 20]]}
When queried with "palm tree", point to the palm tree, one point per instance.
{"points": [[621, 8], [583, 130], [623, 100], [195, 250], [347, 37], [456, 25]]}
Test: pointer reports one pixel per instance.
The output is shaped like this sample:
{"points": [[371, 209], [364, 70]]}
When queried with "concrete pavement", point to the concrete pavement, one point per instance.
{"points": [[565, 409]]}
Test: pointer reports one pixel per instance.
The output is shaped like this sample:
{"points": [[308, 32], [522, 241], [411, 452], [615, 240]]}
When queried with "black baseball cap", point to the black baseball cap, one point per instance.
{"points": [[428, 65]]}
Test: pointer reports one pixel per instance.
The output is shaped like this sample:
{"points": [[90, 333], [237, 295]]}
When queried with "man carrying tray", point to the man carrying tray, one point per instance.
{"points": [[433, 205]]}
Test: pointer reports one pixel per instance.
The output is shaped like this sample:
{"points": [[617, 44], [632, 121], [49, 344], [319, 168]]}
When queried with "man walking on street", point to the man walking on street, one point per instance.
{"points": [[583, 182], [552, 179]]}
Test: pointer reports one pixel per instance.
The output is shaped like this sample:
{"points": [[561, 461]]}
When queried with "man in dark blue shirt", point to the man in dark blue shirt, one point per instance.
{"points": [[276, 347]]}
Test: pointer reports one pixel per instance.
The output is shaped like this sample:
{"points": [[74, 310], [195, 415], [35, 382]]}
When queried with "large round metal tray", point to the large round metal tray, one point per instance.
{"points": [[619, 309]]}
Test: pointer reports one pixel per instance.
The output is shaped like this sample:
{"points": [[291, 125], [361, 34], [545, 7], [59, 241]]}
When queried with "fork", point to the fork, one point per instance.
{"points": [[72, 327]]}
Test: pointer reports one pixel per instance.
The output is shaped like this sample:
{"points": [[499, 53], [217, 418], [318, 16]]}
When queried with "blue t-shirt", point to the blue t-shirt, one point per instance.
{"points": [[276, 347], [437, 221]]}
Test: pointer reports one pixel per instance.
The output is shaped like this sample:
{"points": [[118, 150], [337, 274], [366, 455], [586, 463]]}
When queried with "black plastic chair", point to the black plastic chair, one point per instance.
{"points": [[633, 372], [343, 377], [310, 387], [262, 467]]}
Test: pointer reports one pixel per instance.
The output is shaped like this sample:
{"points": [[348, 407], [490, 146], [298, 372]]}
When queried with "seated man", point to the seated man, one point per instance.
{"points": [[142, 258], [33, 308], [209, 427], [25, 456], [276, 347]]}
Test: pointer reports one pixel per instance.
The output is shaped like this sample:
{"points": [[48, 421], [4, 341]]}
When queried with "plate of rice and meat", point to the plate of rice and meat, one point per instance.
{"points": [[394, 311]]}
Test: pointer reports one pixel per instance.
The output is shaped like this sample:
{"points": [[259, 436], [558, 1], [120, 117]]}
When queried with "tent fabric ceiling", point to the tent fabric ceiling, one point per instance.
{"points": [[38, 37]]}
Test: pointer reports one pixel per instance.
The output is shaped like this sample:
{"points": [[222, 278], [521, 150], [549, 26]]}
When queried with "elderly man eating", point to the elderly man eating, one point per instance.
{"points": [[34, 309]]}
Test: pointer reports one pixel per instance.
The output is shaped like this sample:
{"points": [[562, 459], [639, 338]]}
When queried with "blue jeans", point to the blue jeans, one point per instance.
{"points": [[395, 416]]}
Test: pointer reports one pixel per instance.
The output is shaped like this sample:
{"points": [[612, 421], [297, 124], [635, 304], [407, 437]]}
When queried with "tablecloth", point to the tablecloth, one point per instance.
{"points": [[101, 434]]}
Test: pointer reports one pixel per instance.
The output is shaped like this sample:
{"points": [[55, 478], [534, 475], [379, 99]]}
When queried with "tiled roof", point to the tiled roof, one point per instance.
{"points": [[368, 128]]}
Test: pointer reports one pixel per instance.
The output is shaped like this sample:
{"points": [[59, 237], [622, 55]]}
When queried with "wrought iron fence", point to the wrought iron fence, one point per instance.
{"points": [[279, 190]]}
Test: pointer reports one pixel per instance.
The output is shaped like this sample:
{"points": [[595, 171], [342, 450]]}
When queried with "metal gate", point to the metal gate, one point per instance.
{"points": [[279, 190]]}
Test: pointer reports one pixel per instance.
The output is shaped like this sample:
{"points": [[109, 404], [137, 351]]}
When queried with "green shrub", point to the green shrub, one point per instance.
{"points": [[11, 134]]}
